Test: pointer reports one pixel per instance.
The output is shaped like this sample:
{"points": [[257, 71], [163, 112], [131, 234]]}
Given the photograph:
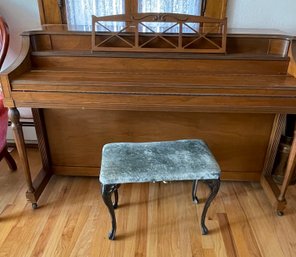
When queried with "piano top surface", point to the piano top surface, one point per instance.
{"points": [[56, 28]]}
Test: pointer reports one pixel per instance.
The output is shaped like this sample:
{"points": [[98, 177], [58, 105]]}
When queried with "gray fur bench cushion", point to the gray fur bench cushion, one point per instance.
{"points": [[157, 161]]}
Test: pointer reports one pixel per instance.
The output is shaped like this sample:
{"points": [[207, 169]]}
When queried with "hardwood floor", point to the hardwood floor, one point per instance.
{"points": [[153, 220]]}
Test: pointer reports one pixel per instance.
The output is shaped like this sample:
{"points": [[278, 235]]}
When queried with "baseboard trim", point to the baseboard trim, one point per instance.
{"points": [[25, 123], [28, 143]]}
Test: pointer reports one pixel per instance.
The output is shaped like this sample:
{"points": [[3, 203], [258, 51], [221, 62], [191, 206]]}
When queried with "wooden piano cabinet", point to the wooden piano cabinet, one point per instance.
{"points": [[244, 144], [239, 141], [237, 102]]}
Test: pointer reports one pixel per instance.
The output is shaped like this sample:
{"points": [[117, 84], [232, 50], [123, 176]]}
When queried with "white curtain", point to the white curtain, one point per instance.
{"points": [[170, 6], [79, 11]]}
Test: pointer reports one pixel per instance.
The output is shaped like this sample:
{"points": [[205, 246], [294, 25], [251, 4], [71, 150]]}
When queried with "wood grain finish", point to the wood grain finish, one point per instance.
{"points": [[292, 54], [255, 45], [42, 138], [227, 235], [50, 12], [139, 65], [161, 41], [216, 8], [14, 117], [289, 170], [153, 219], [244, 136], [275, 136], [231, 100]]}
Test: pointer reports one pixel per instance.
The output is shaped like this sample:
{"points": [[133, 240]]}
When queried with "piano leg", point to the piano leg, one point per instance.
{"points": [[275, 194], [269, 186], [288, 174], [16, 125]]}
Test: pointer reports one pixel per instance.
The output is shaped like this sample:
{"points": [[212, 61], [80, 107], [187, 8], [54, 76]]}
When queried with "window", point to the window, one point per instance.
{"points": [[170, 6], [61, 11], [79, 11]]}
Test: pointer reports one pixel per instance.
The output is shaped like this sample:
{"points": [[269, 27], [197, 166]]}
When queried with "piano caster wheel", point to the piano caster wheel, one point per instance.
{"points": [[34, 206], [279, 213]]}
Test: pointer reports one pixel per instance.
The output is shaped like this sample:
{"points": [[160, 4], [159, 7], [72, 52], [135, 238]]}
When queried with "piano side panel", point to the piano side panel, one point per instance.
{"points": [[43, 42], [292, 54], [60, 42], [259, 46], [280, 47], [239, 141]]}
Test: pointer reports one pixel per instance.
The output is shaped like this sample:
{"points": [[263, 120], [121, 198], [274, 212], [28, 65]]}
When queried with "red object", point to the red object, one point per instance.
{"points": [[3, 124], [4, 40]]}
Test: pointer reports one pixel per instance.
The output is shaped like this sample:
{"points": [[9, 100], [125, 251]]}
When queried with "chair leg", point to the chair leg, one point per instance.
{"points": [[10, 161], [214, 185], [107, 191]]}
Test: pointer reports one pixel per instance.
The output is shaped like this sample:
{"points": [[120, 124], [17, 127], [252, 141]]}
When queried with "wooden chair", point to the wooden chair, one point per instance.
{"points": [[4, 40]]}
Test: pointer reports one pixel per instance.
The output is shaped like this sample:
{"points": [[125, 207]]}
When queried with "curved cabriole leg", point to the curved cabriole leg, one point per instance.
{"points": [[115, 204], [214, 186], [107, 191], [194, 189]]}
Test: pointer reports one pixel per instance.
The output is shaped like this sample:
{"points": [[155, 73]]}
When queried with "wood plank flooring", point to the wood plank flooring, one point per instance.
{"points": [[154, 220]]}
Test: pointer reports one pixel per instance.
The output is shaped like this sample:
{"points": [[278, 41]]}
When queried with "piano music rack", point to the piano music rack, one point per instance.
{"points": [[159, 32]]}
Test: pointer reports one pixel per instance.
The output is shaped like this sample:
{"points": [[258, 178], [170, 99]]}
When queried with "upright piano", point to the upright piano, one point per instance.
{"points": [[85, 94]]}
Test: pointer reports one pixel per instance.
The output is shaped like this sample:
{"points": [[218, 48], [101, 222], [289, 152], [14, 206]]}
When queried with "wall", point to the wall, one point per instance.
{"points": [[20, 15], [272, 14]]}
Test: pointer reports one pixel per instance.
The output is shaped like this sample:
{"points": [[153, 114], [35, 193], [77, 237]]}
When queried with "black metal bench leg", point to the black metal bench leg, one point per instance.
{"points": [[194, 189], [115, 204], [107, 191], [214, 185]]}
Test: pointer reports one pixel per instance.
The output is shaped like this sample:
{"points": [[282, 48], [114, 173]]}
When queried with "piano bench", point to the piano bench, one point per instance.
{"points": [[154, 162]]}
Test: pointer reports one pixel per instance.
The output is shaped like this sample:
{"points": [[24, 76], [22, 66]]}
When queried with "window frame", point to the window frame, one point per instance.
{"points": [[54, 11]]}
